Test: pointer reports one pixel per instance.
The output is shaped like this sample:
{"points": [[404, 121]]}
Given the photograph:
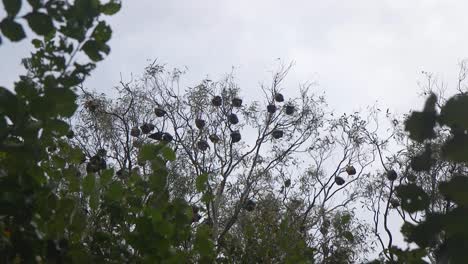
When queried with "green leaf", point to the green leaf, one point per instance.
{"points": [[78, 222], [413, 198], [37, 43], [12, 7], [106, 176], [201, 182], [89, 182], [74, 183], [148, 152], [60, 100], [87, 9], [12, 30], [59, 161], [75, 156], [430, 104], [345, 219], [168, 153], [455, 112], [423, 161], [40, 23], [158, 180], [57, 126], [94, 200], [203, 243], [420, 125], [115, 191], [425, 233], [91, 48], [35, 4], [207, 197], [102, 32], [349, 236], [111, 8], [456, 148], [456, 189], [3, 132], [8, 102]]}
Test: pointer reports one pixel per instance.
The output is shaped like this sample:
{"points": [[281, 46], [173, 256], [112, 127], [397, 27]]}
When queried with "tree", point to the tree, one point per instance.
{"points": [[237, 152], [431, 168], [49, 198], [33, 117]]}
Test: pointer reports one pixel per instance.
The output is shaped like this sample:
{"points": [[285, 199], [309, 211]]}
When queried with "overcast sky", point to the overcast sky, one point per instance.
{"points": [[359, 51]]}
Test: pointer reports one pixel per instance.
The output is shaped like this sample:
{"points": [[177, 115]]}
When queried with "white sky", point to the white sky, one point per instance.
{"points": [[359, 51]]}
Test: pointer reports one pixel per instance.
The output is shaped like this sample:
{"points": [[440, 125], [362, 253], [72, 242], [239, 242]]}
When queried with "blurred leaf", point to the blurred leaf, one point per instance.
{"points": [[59, 127], [8, 102], [203, 243], [94, 201], [111, 7], [413, 256], [89, 183], [40, 23], [420, 125], [148, 152], [201, 182], [61, 100], [12, 7], [115, 191], [425, 233], [430, 104], [168, 153], [349, 236], [456, 148], [35, 4], [455, 112], [413, 198], [106, 176], [102, 32], [423, 161], [37, 43], [87, 9], [345, 219], [93, 49], [455, 222], [456, 189], [75, 156], [12, 30], [207, 197]]}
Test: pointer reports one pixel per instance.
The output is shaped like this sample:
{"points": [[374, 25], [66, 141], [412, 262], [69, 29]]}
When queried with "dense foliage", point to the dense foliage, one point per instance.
{"points": [[47, 199], [248, 154]]}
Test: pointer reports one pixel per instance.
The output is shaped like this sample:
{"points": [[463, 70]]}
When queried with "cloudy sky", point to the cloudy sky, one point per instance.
{"points": [[359, 52]]}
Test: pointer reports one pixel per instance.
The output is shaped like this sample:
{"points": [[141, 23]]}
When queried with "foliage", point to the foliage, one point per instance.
{"points": [[445, 230], [48, 196], [37, 222], [431, 181], [234, 178]]}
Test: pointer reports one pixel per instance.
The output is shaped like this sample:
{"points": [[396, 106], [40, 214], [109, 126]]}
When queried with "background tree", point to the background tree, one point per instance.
{"points": [[241, 151]]}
